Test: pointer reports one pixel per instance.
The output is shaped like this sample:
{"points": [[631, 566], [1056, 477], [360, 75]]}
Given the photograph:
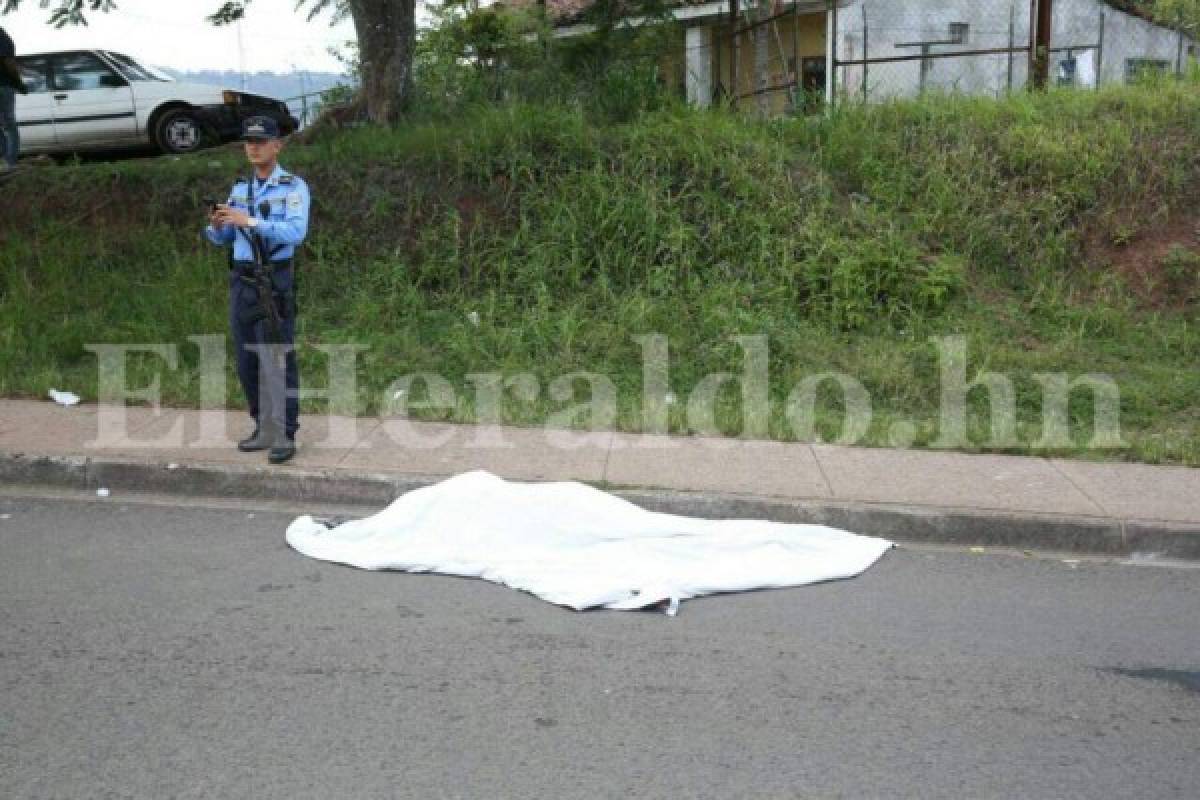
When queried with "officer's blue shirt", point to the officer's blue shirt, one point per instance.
{"points": [[285, 226]]}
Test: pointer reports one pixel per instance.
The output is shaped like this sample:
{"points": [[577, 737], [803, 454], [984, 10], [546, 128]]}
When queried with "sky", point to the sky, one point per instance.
{"points": [[173, 33]]}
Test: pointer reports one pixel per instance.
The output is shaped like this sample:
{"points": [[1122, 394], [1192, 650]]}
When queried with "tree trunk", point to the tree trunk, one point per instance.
{"points": [[386, 31]]}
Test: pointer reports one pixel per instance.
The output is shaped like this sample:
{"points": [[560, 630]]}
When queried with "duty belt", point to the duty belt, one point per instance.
{"points": [[247, 267]]}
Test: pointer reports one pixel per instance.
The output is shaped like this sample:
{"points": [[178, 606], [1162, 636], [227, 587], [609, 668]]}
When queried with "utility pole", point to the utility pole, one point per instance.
{"points": [[1041, 48], [241, 55], [303, 97]]}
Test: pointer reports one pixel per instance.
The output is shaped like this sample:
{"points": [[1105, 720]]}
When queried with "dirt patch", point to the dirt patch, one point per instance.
{"points": [[1159, 262]]}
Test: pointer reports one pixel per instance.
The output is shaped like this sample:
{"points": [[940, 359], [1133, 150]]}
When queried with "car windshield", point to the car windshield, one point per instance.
{"points": [[134, 71]]}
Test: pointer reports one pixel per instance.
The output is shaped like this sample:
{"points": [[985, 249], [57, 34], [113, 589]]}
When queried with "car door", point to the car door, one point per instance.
{"points": [[93, 104], [35, 111]]}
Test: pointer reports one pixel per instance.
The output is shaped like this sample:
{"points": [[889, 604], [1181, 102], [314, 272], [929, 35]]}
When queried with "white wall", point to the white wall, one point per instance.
{"points": [[1076, 23], [1127, 36]]}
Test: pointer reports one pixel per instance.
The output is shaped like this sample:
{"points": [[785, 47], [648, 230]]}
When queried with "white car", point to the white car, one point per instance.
{"points": [[84, 100]]}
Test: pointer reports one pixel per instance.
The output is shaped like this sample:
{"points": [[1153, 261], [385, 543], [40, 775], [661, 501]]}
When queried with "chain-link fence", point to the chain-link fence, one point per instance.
{"points": [[887, 50], [773, 56]]}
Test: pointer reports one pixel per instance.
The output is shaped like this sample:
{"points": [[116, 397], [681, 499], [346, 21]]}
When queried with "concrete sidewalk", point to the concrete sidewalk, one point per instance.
{"points": [[903, 494]]}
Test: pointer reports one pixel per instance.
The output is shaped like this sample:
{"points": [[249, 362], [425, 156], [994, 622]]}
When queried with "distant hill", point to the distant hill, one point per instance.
{"points": [[283, 85]]}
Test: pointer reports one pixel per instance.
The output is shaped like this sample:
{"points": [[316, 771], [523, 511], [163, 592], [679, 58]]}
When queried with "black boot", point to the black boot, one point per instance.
{"points": [[283, 449], [259, 440]]}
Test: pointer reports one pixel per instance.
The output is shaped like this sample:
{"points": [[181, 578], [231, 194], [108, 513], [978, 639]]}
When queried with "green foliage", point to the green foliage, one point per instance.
{"points": [[1181, 272], [626, 90], [1183, 14], [848, 240], [487, 55], [1009, 184], [66, 12]]}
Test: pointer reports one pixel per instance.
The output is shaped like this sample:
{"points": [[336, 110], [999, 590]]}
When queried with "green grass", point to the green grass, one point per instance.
{"points": [[848, 241]]}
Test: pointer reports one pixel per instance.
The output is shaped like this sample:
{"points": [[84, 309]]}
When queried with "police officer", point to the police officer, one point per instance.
{"points": [[280, 230], [10, 82]]}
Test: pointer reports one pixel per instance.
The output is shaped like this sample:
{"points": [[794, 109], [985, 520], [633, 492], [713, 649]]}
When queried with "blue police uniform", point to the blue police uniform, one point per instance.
{"points": [[280, 231]]}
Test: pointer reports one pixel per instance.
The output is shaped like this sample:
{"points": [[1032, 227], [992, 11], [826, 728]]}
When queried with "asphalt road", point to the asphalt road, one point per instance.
{"points": [[153, 651]]}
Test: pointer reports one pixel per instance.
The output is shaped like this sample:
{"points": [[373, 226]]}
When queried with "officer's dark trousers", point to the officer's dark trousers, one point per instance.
{"points": [[271, 394]]}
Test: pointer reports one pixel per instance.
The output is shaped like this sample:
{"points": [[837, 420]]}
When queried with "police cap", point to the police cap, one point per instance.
{"points": [[259, 129]]}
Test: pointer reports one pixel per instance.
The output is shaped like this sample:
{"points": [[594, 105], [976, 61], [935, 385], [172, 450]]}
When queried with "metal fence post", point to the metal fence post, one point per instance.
{"points": [[1012, 42], [866, 52], [798, 87], [1030, 65], [718, 87], [734, 89], [831, 58]]}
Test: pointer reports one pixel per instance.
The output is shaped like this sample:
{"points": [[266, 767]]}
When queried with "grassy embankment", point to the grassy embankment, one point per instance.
{"points": [[1038, 227]]}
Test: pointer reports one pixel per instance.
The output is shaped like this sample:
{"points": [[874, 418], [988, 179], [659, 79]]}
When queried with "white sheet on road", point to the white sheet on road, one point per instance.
{"points": [[580, 547]]}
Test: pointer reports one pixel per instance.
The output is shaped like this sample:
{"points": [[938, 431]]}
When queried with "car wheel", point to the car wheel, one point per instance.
{"points": [[179, 131]]}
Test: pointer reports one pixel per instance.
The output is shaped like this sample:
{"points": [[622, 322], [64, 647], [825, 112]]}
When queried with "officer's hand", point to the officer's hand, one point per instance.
{"points": [[214, 219], [232, 216]]}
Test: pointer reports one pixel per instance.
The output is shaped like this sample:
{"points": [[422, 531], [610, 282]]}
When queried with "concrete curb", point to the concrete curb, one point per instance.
{"points": [[955, 526]]}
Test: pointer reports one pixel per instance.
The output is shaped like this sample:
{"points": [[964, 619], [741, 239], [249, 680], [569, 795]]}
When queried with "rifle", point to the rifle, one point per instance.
{"points": [[261, 279]]}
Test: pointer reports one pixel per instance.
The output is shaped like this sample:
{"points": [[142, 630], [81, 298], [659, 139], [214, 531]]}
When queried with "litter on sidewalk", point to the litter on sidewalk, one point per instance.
{"points": [[64, 398], [580, 547]]}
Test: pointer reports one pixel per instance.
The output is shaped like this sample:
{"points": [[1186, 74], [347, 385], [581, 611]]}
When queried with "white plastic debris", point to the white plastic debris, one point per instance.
{"points": [[64, 398], [172, 465], [473, 318], [5, 516], [670, 398], [102, 492]]}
